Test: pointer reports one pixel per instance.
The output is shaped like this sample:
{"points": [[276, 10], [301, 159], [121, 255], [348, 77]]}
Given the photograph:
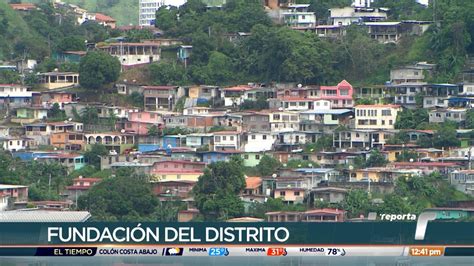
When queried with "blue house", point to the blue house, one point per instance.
{"points": [[216, 156], [184, 52], [173, 141]]}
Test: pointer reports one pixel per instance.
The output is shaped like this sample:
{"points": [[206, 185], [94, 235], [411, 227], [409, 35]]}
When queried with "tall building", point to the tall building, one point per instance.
{"points": [[148, 8], [147, 11]]}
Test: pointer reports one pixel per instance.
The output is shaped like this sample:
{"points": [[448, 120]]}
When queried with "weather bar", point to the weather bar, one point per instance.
{"points": [[225, 251]]}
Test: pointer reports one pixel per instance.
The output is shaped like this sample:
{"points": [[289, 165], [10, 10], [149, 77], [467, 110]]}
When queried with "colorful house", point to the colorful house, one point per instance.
{"points": [[30, 114], [339, 95], [80, 186], [216, 156], [177, 170]]}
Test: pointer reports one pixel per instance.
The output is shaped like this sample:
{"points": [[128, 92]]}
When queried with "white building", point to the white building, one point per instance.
{"points": [[15, 143], [346, 16], [376, 116], [147, 10], [258, 141], [297, 16], [226, 140]]}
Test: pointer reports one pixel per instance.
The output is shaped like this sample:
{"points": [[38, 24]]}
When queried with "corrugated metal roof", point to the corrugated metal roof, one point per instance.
{"points": [[43, 216]]}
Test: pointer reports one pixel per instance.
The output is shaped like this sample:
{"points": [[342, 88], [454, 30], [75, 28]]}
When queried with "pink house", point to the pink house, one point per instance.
{"points": [[80, 186], [140, 122], [178, 166], [340, 95], [19, 193]]}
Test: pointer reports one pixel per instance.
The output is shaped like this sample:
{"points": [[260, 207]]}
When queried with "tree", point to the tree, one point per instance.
{"points": [[356, 203], [120, 198], [97, 69], [411, 119], [153, 131], [72, 43], [376, 159], [220, 68], [296, 163], [407, 156], [446, 136], [469, 119], [164, 73], [93, 154], [217, 191], [55, 113], [268, 165]]}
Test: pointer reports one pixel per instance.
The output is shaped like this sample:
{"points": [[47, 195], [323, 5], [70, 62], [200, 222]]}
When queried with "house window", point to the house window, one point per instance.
{"points": [[166, 165], [178, 176], [264, 136], [390, 122], [296, 193], [257, 157], [282, 193], [246, 156], [231, 138], [163, 177], [224, 138], [386, 112], [253, 136], [344, 92], [217, 138]]}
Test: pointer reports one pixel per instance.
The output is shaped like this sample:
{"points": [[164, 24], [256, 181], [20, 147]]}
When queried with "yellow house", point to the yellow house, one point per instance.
{"points": [[58, 80], [375, 174], [376, 116], [176, 176], [194, 92]]}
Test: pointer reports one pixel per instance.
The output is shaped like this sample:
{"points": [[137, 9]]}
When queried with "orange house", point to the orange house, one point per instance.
{"points": [[68, 140]]}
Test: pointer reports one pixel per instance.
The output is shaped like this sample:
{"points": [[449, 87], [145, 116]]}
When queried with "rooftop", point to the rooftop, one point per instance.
{"points": [[35, 216]]}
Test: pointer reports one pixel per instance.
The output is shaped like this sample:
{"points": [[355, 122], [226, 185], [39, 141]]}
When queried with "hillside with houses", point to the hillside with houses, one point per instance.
{"points": [[279, 111]]}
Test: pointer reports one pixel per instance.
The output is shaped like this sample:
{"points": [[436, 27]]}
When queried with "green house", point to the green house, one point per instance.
{"points": [[252, 159]]}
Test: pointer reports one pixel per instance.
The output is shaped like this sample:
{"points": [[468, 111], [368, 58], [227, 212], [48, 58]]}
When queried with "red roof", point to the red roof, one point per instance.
{"points": [[344, 83], [378, 106], [226, 132], [87, 179], [297, 99], [23, 7], [180, 161], [103, 18], [238, 88], [253, 182], [325, 210], [159, 87], [433, 164]]}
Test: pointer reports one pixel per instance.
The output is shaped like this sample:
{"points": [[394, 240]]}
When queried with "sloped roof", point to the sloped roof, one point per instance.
{"points": [[43, 216]]}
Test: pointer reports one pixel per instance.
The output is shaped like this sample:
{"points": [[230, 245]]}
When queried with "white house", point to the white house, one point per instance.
{"points": [[376, 116], [227, 140], [297, 16], [346, 16], [258, 141], [15, 143], [284, 121]]}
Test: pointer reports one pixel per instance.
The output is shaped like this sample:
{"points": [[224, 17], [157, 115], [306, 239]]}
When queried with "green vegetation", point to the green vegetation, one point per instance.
{"points": [[126, 197], [374, 159], [268, 166], [411, 119], [124, 11], [271, 205], [411, 195], [217, 191], [98, 69]]}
